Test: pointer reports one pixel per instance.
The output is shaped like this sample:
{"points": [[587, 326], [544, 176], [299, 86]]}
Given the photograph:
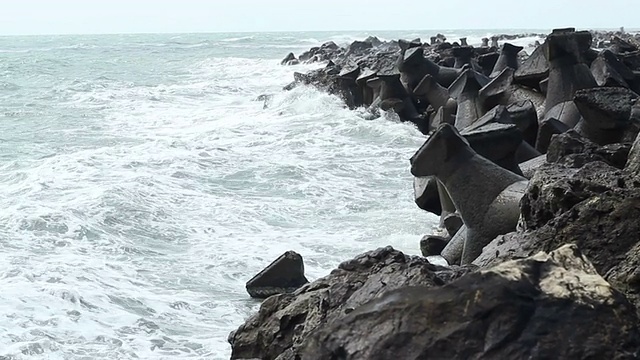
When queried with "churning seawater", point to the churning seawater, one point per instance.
{"points": [[141, 186]]}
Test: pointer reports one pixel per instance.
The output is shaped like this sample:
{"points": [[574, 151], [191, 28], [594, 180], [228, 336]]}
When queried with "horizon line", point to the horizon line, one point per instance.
{"points": [[304, 31]]}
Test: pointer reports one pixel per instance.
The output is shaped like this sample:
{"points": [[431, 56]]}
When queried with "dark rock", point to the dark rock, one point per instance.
{"points": [[573, 150], [549, 306], [425, 190], [596, 207], [290, 60], [358, 47], [286, 321], [633, 163], [284, 275], [431, 245]]}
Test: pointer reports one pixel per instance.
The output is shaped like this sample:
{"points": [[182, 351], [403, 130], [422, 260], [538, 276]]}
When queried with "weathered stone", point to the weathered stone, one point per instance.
{"points": [[546, 306], [284, 322], [572, 150], [285, 274], [596, 207]]}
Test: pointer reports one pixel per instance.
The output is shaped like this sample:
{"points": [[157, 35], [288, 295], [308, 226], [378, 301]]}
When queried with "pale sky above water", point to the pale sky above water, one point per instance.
{"points": [[19, 17]]}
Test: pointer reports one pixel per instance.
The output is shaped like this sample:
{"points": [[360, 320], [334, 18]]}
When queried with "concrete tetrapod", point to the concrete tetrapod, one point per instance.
{"points": [[486, 195]]}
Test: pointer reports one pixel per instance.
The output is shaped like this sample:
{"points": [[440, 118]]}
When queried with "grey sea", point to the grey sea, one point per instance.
{"points": [[142, 184]]}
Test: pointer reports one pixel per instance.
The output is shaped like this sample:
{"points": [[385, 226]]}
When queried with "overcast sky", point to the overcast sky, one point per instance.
{"points": [[151, 16]]}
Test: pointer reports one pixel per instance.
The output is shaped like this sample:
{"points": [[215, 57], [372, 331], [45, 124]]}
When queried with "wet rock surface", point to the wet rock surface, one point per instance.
{"points": [[284, 322]]}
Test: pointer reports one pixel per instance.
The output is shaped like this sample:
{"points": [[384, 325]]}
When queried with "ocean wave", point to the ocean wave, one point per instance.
{"points": [[237, 39]]}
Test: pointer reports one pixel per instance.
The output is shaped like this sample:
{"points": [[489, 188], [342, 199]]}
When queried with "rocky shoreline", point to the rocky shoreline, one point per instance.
{"points": [[533, 164]]}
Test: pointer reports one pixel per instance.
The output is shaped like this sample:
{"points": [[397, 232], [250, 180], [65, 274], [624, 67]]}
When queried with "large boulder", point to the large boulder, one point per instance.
{"points": [[286, 321], [549, 306]]}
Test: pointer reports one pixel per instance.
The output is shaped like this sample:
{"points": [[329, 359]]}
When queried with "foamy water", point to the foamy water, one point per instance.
{"points": [[141, 186]]}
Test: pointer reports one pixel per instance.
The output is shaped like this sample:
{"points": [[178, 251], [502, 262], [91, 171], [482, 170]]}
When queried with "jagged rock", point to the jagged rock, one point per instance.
{"points": [[290, 60], [573, 150], [633, 163], [284, 275], [286, 321], [596, 207], [548, 306]]}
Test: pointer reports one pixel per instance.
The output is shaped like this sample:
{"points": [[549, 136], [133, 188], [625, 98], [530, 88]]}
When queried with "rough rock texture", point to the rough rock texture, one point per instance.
{"points": [[594, 205], [549, 306], [285, 321], [573, 150]]}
